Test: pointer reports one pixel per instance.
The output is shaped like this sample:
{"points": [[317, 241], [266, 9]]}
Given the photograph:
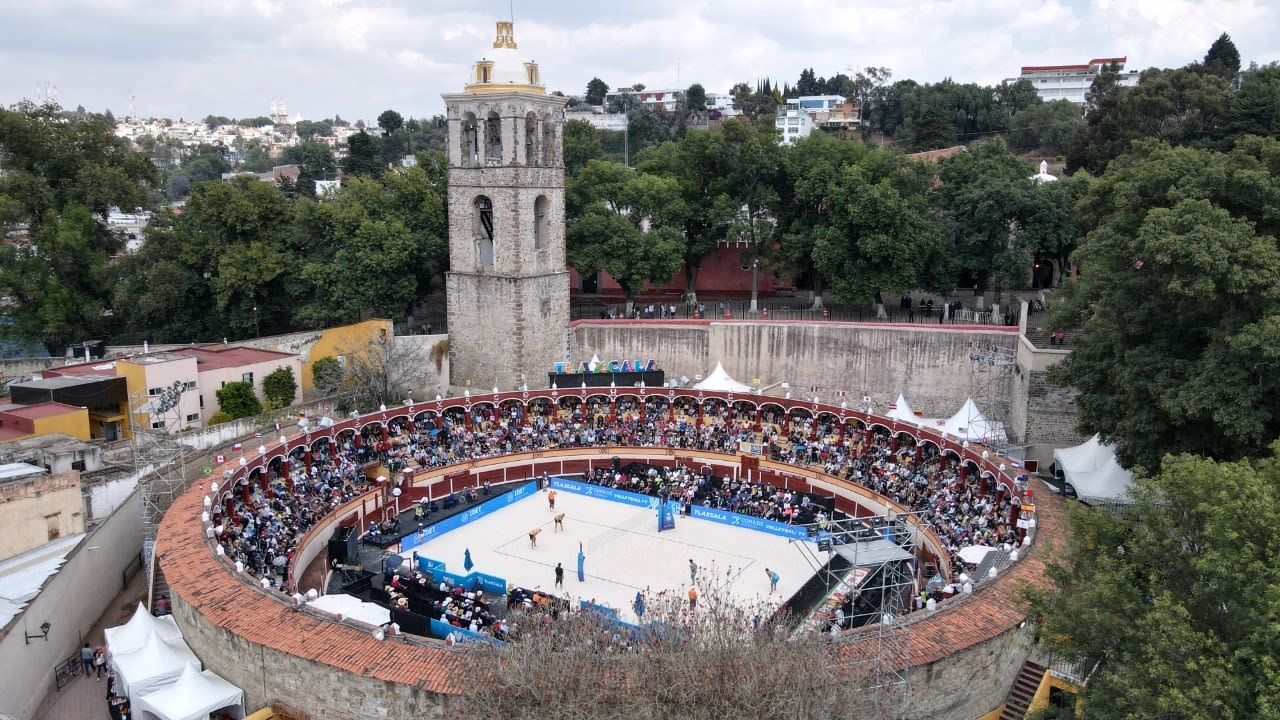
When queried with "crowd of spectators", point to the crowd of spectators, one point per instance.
{"points": [[263, 532]]}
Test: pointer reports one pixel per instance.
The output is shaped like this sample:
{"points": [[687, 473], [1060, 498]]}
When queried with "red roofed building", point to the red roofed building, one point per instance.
{"points": [[218, 365], [1071, 82]]}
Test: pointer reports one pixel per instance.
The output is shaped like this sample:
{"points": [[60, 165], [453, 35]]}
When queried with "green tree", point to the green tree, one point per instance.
{"points": [[315, 157], [1223, 59], [238, 400], [628, 225], [695, 98], [1180, 107], [308, 130], [581, 144], [1171, 599], [877, 240], [695, 162], [624, 103], [1049, 126], [1255, 107], [60, 176], [1178, 301], [326, 375], [981, 194], [363, 151], [596, 91], [279, 387]]}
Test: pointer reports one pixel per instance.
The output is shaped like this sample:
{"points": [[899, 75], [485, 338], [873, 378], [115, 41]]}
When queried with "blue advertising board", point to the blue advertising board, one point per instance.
{"points": [[750, 522], [491, 584], [725, 517], [470, 515], [441, 629], [604, 493]]}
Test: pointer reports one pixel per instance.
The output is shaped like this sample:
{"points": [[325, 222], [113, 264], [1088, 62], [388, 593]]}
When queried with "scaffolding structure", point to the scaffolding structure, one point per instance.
{"points": [[990, 384], [872, 562], [159, 457]]}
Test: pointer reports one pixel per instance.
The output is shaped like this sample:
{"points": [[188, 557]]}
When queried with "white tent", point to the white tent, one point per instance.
{"points": [[719, 380], [193, 696], [157, 662], [901, 411], [127, 638], [352, 607], [1092, 471], [970, 424]]}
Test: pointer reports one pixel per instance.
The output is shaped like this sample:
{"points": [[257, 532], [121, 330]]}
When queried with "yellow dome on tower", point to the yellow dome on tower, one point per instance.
{"points": [[502, 70]]}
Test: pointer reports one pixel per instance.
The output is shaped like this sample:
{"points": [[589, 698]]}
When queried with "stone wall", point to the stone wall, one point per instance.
{"points": [[270, 677], [71, 601], [971, 682], [929, 365], [1051, 417], [503, 329]]}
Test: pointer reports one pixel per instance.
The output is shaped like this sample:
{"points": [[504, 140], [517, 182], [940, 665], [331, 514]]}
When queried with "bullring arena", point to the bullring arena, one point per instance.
{"points": [[957, 660]]}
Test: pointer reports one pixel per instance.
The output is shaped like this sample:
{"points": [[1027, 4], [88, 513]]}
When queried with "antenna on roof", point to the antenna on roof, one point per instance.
{"points": [[511, 11]]}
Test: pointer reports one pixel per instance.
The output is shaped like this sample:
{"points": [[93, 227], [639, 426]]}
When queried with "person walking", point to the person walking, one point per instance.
{"points": [[100, 661], [559, 575], [693, 570], [693, 598], [773, 580], [86, 659]]}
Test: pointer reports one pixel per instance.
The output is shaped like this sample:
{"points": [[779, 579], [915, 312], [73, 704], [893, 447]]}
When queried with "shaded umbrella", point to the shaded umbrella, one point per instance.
{"points": [[466, 560]]}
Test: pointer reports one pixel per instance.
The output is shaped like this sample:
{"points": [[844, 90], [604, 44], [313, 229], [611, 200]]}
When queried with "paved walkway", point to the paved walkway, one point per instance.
{"points": [[84, 698]]}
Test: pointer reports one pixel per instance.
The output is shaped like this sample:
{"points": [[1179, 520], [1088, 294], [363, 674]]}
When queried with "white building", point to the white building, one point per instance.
{"points": [[597, 118], [1071, 82], [793, 122], [652, 99]]}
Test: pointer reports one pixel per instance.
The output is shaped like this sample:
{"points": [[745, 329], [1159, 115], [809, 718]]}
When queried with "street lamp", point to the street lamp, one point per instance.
{"points": [[256, 332], [755, 282]]}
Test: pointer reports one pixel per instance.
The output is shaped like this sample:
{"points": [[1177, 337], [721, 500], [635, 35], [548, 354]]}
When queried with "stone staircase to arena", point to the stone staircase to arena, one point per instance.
{"points": [[1024, 688]]}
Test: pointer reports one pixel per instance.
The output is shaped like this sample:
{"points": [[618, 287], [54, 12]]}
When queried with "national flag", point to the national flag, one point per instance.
{"points": [[840, 393], [867, 399], [892, 405], [1015, 463], [940, 422], [813, 388], [257, 435], [219, 459], [237, 447]]}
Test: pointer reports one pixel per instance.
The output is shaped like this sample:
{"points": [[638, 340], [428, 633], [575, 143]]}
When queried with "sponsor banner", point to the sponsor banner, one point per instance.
{"points": [[728, 517], [441, 629], [470, 515], [604, 493]]}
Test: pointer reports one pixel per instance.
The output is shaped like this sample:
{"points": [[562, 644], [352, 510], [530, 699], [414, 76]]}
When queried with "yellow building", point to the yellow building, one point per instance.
{"points": [[340, 341], [18, 422], [36, 507]]}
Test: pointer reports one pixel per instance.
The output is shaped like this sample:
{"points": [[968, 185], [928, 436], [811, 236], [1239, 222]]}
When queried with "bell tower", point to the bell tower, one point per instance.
{"points": [[507, 286]]}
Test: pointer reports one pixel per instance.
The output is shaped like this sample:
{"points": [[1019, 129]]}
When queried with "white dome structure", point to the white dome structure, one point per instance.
{"points": [[1043, 176], [501, 69]]}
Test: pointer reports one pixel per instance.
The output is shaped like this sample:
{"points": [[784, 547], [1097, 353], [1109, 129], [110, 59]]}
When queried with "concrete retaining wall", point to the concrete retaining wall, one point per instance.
{"points": [[929, 365]]}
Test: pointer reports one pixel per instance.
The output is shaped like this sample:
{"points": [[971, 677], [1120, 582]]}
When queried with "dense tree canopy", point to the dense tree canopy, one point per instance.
{"points": [[1179, 302], [1174, 599]]}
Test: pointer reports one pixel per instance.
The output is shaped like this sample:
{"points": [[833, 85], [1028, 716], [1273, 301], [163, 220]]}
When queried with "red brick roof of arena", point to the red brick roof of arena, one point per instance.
{"points": [[203, 581]]}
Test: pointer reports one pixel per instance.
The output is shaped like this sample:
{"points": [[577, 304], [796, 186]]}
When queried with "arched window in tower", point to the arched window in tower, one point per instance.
{"points": [[470, 141], [541, 228], [484, 233], [493, 138], [548, 141], [531, 140]]}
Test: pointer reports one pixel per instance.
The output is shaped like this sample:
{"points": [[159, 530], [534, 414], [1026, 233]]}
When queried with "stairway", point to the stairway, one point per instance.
{"points": [[1024, 688]]}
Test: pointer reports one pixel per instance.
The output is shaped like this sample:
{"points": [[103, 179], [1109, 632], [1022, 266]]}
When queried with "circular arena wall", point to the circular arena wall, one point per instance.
{"points": [[959, 660]]}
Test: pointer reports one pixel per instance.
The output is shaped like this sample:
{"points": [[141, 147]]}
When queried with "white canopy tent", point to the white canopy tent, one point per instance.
{"points": [[157, 662], [901, 411], [1092, 471], [720, 381], [127, 638], [970, 424], [352, 607], [193, 696]]}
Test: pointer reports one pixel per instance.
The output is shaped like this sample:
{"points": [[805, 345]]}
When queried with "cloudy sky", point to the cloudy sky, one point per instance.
{"points": [[191, 58]]}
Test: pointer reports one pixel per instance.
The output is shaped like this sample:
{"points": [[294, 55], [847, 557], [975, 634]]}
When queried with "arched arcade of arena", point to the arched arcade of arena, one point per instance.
{"points": [[228, 617]]}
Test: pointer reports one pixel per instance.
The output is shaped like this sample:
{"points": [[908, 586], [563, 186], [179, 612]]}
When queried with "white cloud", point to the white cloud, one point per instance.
{"points": [[357, 57]]}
